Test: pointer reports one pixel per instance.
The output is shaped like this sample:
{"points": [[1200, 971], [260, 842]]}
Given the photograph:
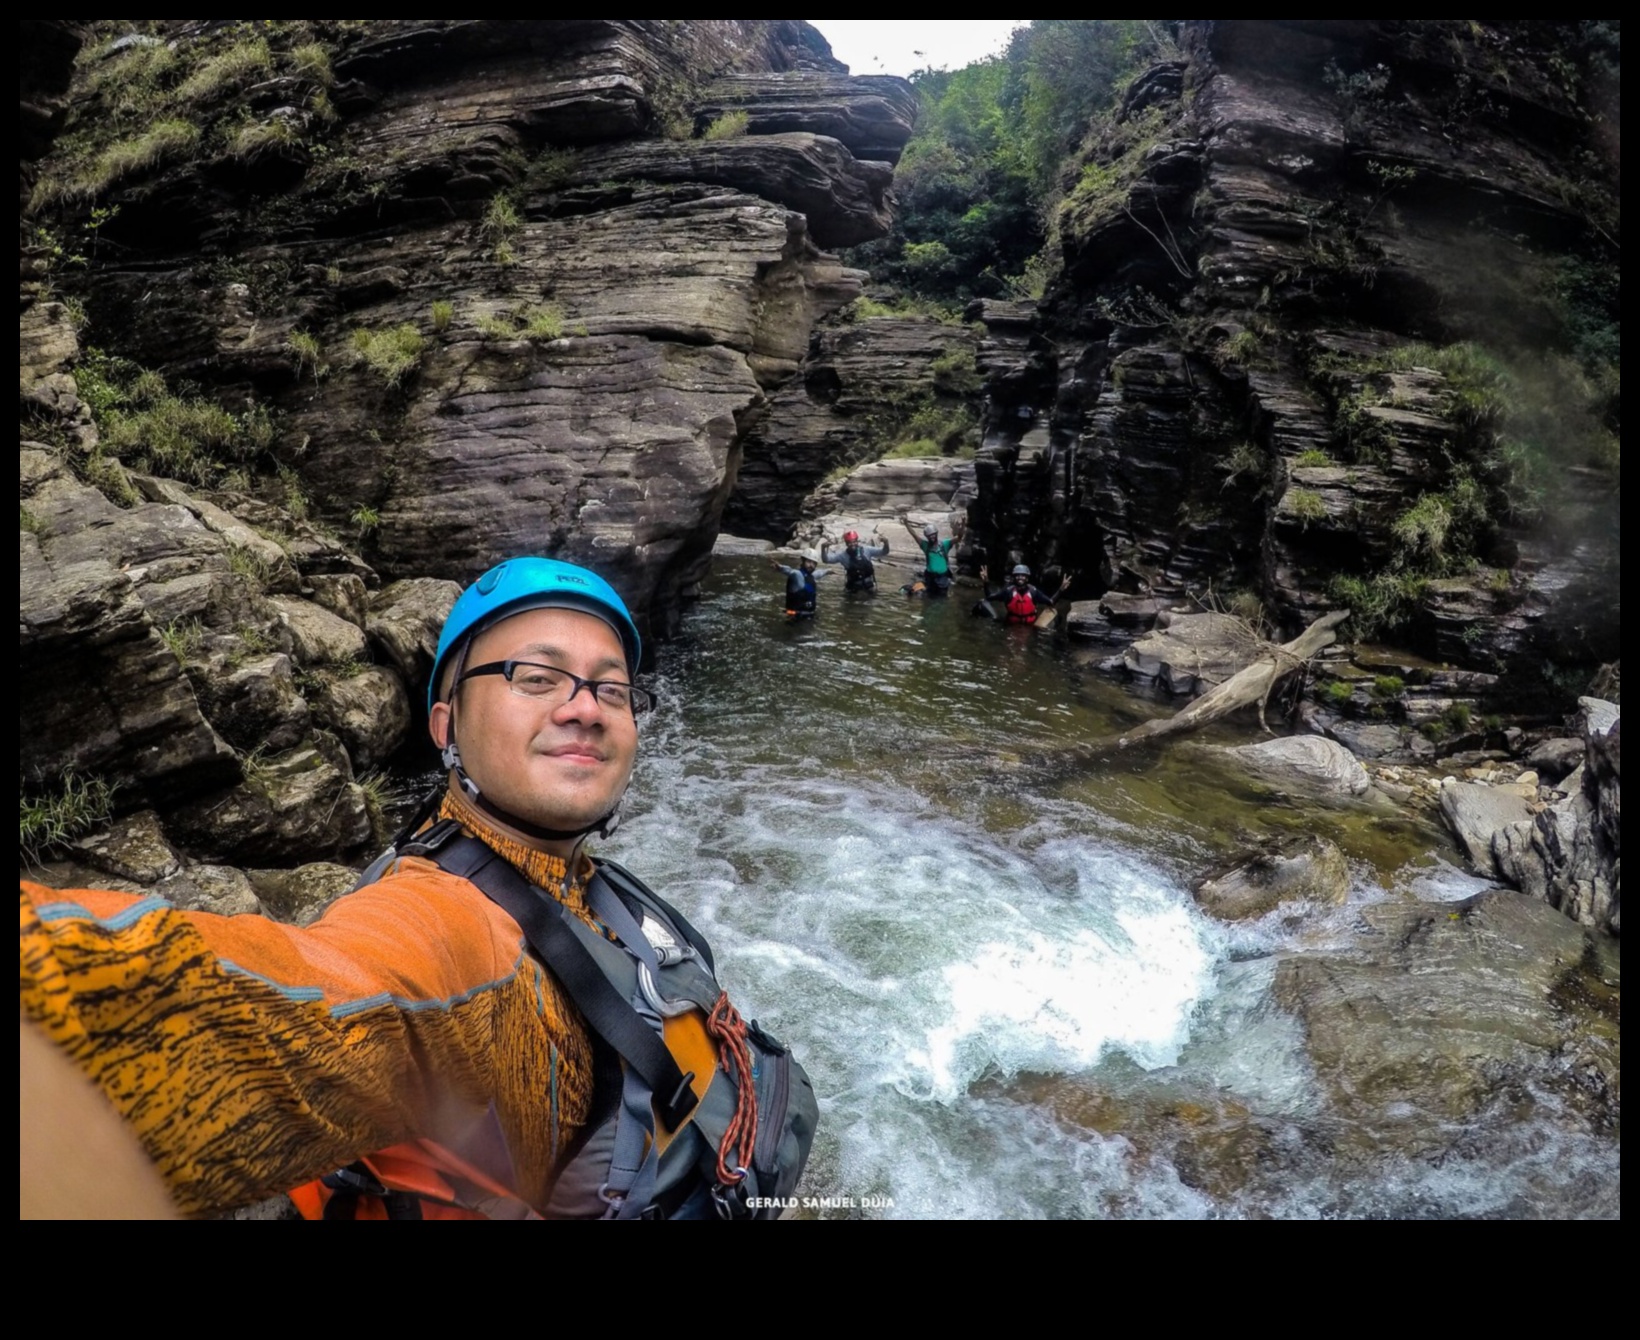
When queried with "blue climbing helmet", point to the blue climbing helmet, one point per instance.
{"points": [[520, 584]]}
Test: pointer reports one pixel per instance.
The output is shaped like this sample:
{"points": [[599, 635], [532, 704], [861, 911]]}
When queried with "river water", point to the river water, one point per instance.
{"points": [[991, 965]]}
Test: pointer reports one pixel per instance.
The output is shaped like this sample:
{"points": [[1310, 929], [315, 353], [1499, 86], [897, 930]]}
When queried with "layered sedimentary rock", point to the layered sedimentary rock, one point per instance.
{"points": [[867, 386], [1245, 377], [579, 313], [478, 291]]}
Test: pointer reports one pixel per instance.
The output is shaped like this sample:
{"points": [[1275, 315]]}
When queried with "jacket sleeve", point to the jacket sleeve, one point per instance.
{"points": [[251, 1056]]}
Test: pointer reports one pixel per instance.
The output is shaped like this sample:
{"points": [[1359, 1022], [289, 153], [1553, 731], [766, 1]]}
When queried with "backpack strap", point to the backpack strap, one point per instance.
{"points": [[630, 887], [608, 1014]]}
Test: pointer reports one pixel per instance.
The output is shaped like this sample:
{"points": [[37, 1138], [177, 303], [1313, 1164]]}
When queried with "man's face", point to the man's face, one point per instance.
{"points": [[557, 762], [1021, 580]]}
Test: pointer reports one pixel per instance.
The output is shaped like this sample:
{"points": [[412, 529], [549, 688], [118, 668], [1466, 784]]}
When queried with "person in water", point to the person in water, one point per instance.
{"points": [[936, 576], [493, 1025], [1020, 601], [802, 593], [859, 572]]}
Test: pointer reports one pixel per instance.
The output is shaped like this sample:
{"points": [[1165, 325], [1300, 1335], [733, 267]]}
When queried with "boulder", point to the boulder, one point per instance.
{"points": [[254, 703], [1556, 756], [211, 888], [133, 848], [1308, 763], [405, 621], [344, 594], [369, 710], [301, 895], [1475, 813], [295, 806], [1441, 1010], [270, 556], [1195, 652], [1312, 870], [1596, 716], [319, 637]]}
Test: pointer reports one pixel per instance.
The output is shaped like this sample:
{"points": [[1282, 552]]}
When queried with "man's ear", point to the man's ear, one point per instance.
{"points": [[438, 724]]}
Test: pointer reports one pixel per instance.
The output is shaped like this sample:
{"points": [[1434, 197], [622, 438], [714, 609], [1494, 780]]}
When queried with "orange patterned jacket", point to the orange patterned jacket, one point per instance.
{"points": [[252, 1056]]}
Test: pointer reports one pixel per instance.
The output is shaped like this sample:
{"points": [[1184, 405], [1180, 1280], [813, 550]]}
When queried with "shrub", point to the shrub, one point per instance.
{"points": [[163, 142], [442, 313], [501, 218], [392, 354], [1305, 506], [228, 69], [543, 323], [1338, 693], [74, 806], [1388, 686], [729, 126], [308, 353], [1312, 458], [312, 61]]}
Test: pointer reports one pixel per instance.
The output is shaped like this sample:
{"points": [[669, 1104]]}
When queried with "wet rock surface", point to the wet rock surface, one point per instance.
{"points": [[1309, 871], [1451, 1010]]}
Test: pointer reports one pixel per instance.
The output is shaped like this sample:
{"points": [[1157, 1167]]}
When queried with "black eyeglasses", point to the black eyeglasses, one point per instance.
{"points": [[530, 680]]}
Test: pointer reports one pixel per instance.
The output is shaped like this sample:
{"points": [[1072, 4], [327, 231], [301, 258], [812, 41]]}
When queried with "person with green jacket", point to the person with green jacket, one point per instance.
{"points": [[936, 577]]}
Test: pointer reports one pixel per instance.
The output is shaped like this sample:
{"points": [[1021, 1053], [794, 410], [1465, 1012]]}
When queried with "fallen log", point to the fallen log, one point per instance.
{"points": [[1251, 684]]}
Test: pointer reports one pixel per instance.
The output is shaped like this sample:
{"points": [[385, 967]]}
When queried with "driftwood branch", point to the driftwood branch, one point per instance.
{"points": [[1251, 684]]}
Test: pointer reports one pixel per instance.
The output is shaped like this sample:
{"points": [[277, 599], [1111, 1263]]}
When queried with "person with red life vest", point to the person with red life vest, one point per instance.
{"points": [[494, 1024], [1020, 601]]}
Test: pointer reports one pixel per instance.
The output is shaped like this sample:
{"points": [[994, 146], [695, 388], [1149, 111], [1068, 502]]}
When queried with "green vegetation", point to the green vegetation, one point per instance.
{"points": [[257, 139], [377, 789], [365, 519], [501, 223], [1312, 458], [156, 102], [1338, 692], [729, 126], [246, 563], [393, 354], [228, 70], [1388, 686], [30, 522], [981, 176], [868, 309], [308, 353], [57, 814], [182, 637], [141, 421], [1304, 505], [1379, 603], [541, 321], [442, 312]]}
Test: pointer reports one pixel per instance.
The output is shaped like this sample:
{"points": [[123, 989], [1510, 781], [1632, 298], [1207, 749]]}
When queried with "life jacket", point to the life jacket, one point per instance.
{"points": [[1021, 606], [801, 592], [705, 1115], [938, 564], [862, 572]]}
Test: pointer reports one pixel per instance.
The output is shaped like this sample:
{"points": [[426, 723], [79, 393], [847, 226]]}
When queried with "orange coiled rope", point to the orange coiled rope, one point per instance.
{"points": [[739, 1140]]}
